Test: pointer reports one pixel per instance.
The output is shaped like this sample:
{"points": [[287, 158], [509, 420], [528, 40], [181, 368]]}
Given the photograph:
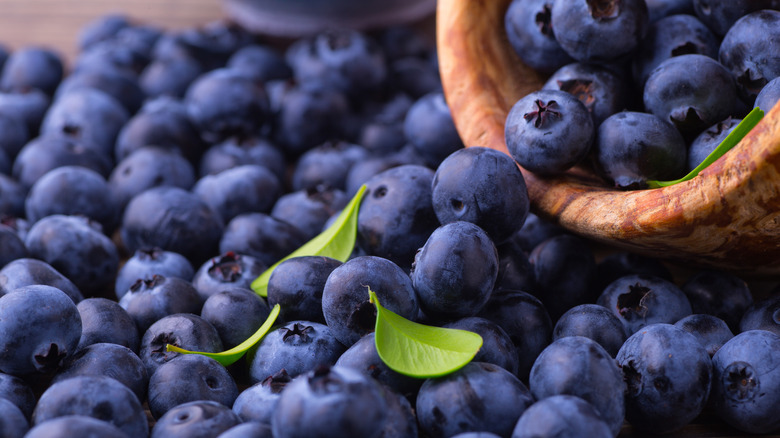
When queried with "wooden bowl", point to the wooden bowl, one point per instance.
{"points": [[728, 217]]}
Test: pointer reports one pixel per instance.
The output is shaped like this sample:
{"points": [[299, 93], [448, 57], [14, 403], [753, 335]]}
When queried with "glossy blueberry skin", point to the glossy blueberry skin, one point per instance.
{"points": [[227, 270], [222, 103], [345, 300], [476, 435], [307, 118], [429, 128], [13, 137], [148, 167], [32, 67], [719, 293], [309, 210], [762, 315], [30, 105], [564, 272], [633, 147], [579, 366], [455, 271], [674, 35], [162, 122], [297, 347], [478, 397], [48, 152], [173, 219], [211, 44], [481, 186], [105, 321], [248, 430], [382, 133], [121, 84], [749, 51], [330, 402], [721, 16], [261, 236], [525, 320], [363, 356], [12, 196], [170, 77], [599, 34], [594, 322], [658, 9], [561, 416], [668, 375], [89, 115], [534, 231], [105, 359], [145, 262], [529, 30], [745, 381], [257, 403], [327, 164], [602, 91], [75, 425], [296, 285], [206, 379], [11, 246], [248, 188], [15, 390], [29, 271], [396, 215], [548, 131], [187, 331], [401, 421], [621, 263], [13, 423], [260, 62], [152, 298], [675, 91], [195, 419], [497, 347], [769, 95], [711, 331], [39, 328], [236, 313], [100, 397], [77, 248], [237, 151], [639, 300], [72, 190]]}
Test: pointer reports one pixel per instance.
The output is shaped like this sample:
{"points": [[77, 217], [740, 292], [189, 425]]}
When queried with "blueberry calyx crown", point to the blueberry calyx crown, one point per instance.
{"points": [[226, 268], [278, 381], [299, 331], [602, 10], [740, 382], [50, 359], [545, 113], [631, 304], [544, 21]]}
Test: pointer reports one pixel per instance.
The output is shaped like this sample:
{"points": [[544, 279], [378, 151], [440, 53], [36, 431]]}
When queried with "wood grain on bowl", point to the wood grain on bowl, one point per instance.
{"points": [[728, 217]]}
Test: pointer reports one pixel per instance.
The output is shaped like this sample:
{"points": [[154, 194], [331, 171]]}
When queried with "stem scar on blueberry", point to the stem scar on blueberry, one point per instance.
{"points": [[545, 113], [544, 20], [740, 382], [632, 302], [603, 10]]}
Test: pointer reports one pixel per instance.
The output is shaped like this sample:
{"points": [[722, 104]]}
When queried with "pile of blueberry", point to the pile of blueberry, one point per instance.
{"points": [[144, 191], [638, 89]]}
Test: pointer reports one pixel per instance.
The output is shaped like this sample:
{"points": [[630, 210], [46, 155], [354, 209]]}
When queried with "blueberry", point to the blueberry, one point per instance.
{"points": [[528, 25], [762, 315], [720, 294], [561, 416], [345, 303], [261, 236], [594, 322], [478, 397], [639, 300], [579, 366], [750, 53], [173, 219], [77, 248], [14, 135], [327, 164], [633, 147], [211, 43], [297, 347], [296, 285], [309, 210], [184, 330], [261, 63], [167, 387], [769, 95], [19, 393], [721, 16], [307, 118], [396, 215], [599, 31], [414, 76], [237, 151], [152, 298], [32, 67], [28, 272], [121, 84], [745, 381], [668, 374], [428, 126], [105, 359], [13, 423], [236, 313], [497, 347], [102, 28], [145, 262], [226, 271], [75, 425], [104, 320], [11, 246], [534, 231], [514, 269], [99, 397], [39, 328], [195, 419], [455, 271], [548, 131], [247, 188], [658, 9], [330, 402], [691, 102], [257, 403], [248, 430], [30, 105], [401, 421], [621, 263], [711, 331]]}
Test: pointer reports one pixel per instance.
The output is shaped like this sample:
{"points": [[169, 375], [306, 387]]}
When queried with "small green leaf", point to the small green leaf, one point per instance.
{"points": [[731, 140], [231, 356], [337, 242], [419, 350]]}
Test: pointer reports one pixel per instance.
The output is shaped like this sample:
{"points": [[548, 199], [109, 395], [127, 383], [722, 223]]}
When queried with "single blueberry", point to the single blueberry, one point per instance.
{"points": [[104, 320], [195, 419], [561, 416]]}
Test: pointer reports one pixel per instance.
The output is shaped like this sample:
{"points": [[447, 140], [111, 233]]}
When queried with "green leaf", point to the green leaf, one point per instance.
{"points": [[337, 242], [731, 140], [231, 356], [419, 350]]}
